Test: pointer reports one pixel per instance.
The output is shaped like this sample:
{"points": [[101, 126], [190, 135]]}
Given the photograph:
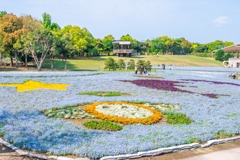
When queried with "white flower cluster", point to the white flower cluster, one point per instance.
{"points": [[124, 110]]}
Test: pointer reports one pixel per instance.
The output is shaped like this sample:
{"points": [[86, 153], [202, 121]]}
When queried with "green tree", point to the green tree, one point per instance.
{"points": [[218, 45], [110, 64], [40, 43], [11, 29], [219, 55], [2, 13], [131, 64], [47, 22], [81, 39], [29, 24], [227, 56], [148, 65], [140, 63], [121, 64], [127, 37], [107, 44]]}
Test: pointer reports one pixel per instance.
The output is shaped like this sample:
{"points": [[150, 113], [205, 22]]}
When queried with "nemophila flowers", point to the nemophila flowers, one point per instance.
{"points": [[24, 125], [124, 112]]}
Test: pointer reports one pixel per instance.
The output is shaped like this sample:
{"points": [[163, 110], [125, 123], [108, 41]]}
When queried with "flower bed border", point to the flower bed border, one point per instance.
{"points": [[149, 120], [129, 156]]}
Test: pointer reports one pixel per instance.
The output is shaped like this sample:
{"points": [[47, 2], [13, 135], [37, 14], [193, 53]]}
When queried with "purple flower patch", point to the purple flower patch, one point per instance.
{"points": [[213, 82], [167, 85]]}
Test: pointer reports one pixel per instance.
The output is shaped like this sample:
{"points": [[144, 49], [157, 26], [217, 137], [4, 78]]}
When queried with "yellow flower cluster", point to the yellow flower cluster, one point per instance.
{"points": [[149, 120], [33, 85]]}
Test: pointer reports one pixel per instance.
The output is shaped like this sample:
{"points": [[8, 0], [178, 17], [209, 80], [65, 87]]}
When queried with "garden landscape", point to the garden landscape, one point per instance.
{"points": [[83, 80], [28, 119]]}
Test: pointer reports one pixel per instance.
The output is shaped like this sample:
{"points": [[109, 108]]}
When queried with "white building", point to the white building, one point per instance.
{"points": [[234, 62]]}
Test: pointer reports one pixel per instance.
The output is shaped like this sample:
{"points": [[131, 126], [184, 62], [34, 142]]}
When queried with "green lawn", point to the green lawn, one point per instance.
{"points": [[97, 63]]}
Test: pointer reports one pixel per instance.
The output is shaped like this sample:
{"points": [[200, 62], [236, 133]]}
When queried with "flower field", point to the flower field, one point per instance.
{"points": [[206, 95]]}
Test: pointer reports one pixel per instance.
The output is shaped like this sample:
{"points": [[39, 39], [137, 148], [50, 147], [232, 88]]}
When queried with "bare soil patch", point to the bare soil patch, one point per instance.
{"points": [[194, 152]]}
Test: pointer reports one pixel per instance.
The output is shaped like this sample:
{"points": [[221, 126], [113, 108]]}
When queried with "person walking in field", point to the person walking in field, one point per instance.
{"points": [[141, 70], [136, 69]]}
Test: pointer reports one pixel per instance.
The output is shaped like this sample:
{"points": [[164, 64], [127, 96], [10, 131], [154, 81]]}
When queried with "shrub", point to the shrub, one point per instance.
{"points": [[121, 64], [219, 55], [102, 125], [177, 118], [222, 134], [194, 140], [131, 64], [110, 64], [227, 56]]}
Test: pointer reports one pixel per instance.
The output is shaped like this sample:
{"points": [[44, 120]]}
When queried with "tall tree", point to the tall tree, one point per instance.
{"points": [[107, 44], [40, 43], [11, 29], [2, 13], [47, 22], [29, 25], [81, 39], [127, 37]]}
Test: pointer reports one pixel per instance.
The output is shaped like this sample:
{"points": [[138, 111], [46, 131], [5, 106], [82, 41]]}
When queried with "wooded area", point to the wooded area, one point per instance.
{"points": [[27, 39]]}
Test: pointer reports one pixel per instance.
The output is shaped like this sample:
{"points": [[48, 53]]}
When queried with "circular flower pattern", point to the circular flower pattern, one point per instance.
{"points": [[123, 112]]}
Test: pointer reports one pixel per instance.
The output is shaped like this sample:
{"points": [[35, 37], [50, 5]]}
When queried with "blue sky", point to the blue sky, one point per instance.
{"points": [[197, 20]]}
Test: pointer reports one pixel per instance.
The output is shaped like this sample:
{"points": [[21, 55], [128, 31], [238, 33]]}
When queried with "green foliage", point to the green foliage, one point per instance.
{"points": [[148, 65], [107, 44], [223, 134], [143, 63], [131, 64], [2, 13], [127, 37], [121, 64], [215, 45], [227, 56], [194, 140], [40, 43], [219, 55], [110, 64], [47, 22], [177, 118], [140, 62], [67, 112], [102, 125], [1, 130], [104, 94]]}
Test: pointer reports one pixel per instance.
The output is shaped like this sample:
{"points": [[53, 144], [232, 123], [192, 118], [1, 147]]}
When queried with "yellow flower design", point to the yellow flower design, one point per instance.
{"points": [[149, 120], [33, 85]]}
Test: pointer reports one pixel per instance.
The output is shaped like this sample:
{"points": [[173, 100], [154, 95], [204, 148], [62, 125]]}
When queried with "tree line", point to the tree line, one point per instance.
{"points": [[28, 39]]}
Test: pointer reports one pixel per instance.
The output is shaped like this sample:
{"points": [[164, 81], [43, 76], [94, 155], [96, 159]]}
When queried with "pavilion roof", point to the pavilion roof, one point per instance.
{"points": [[231, 49], [121, 42]]}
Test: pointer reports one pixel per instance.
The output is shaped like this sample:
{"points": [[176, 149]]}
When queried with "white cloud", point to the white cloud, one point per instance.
{"points": [[222, 21]]}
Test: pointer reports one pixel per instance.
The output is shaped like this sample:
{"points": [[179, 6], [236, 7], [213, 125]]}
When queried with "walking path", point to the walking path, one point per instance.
{"points": [[230, 154], [225, 151]]}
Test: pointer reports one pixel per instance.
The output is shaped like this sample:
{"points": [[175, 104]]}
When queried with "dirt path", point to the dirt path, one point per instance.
{"points": [[232, 148], [190, 154]]}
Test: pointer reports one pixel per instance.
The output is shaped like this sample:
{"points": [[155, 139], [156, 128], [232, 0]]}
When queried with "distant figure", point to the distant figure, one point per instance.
{"points": [[234, 76], [136, 69], [141, 70], [163, 66], [170, 66], [157, 55], [144, 70]]}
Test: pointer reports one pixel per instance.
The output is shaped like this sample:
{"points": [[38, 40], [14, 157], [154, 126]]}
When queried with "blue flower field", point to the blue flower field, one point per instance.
{"points": [[24, 125]]}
